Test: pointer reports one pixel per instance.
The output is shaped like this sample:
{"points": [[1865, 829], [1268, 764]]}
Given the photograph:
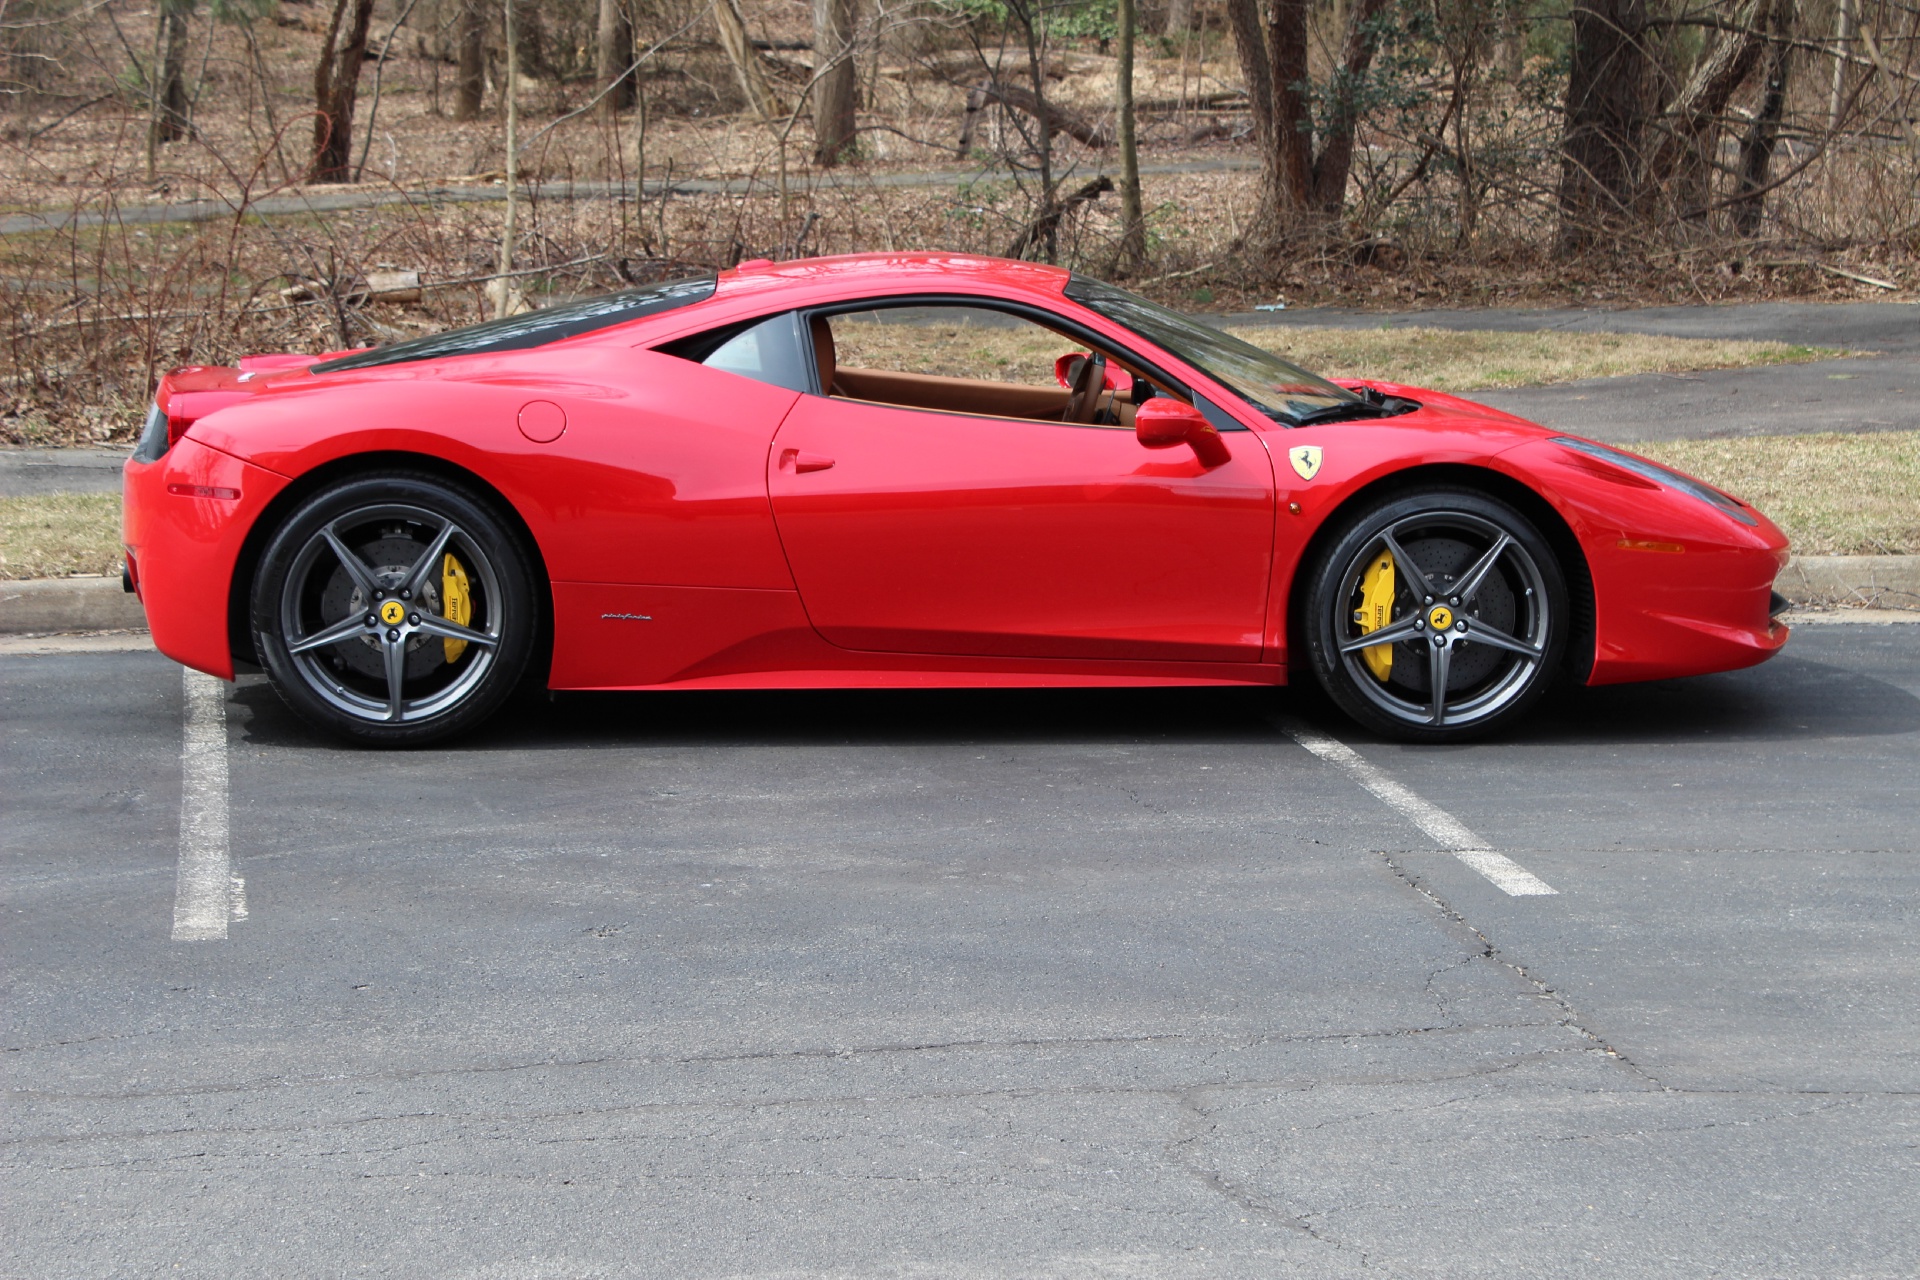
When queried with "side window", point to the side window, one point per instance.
{"points": [[949, 342], [770, 351], [953, 358]]}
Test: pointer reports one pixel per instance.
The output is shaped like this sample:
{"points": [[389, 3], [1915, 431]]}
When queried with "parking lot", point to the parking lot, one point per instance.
{"points": [[1009, 984]]}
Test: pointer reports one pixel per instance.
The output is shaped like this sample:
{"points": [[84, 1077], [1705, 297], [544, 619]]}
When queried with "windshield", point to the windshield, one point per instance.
{"points": [[534, 328], [1273, 386]]}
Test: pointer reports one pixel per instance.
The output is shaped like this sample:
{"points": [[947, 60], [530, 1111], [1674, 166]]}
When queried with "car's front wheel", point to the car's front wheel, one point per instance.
{"points": [[394, 609], [1436, 615]]}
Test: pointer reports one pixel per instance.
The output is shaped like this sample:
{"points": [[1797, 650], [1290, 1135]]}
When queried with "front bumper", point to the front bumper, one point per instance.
{"points": [[1662, 615]]}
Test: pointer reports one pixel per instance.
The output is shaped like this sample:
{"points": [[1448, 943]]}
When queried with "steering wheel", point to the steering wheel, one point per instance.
{"points": [[1083, 395]]}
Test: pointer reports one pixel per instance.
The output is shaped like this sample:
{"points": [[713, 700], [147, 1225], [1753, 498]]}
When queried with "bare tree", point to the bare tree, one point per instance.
{"points": [[336, 80], [1179, 19], [745, 59], [1133, 232], [503, 301], [170, 101], [1609, 96], [1756, 149], [613, 57], [835, 80], [470, 80], [1678, 168], [1298, 182]]}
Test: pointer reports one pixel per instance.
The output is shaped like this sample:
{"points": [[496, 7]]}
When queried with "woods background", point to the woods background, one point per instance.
{"points": [[189, 181]]}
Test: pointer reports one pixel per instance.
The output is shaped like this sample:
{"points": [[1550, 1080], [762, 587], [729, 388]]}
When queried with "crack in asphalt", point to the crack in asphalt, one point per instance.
{"points": [[1176, 1091], [1571, 1017], [770, 1055], [1283, 1084], [1182, 1152]]}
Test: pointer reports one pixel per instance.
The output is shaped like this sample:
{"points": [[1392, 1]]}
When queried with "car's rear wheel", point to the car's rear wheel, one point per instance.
{"points": [[1436, 615], [394, 609]]}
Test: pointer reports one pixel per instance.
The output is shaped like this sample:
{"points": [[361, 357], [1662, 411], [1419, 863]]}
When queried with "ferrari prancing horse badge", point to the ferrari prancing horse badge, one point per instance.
{"points": [[1305, 459]]}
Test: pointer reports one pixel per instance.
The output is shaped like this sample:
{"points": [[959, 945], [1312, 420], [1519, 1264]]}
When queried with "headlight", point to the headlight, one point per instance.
{"points": [[1660, 475]]}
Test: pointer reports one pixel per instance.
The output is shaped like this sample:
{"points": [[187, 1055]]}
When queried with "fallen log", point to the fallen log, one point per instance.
{"points": [[1056, 118]]}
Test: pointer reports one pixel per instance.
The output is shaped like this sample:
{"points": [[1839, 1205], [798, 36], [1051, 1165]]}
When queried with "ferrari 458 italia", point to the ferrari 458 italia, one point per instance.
{"points": [[905, 471]]}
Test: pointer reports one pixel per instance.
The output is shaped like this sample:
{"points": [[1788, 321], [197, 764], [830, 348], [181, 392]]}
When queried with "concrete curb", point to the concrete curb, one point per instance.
{"points": [[67, 604], [1875, 582], [42, 605]]}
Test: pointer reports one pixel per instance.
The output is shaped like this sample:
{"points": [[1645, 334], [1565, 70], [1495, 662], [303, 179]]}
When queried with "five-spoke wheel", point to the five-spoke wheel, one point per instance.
{"points": [[393, 609], [1436, 615]]}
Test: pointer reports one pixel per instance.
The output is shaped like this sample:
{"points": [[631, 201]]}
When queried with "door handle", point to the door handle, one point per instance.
{"points": [[802, 463]]}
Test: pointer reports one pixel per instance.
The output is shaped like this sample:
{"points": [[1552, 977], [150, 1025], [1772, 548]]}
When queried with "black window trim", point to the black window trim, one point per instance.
{"points": [[533, 335]]}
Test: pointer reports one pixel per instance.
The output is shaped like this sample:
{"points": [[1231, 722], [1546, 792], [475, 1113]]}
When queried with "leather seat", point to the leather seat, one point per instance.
{"points": [[823, 357]]}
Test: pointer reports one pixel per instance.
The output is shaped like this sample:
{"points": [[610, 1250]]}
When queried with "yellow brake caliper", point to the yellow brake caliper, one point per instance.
{"points": [[1375, 611], [456, 605]]}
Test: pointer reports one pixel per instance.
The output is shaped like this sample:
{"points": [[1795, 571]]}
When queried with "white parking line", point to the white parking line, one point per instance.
{"points": [[1446, 830], [206, 893]]}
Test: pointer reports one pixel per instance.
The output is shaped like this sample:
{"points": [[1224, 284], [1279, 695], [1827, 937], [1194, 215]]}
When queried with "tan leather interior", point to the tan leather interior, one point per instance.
{"points": [[953, 395], [823, 353]]}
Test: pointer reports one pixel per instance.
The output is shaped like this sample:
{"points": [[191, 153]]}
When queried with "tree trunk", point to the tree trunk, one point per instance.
{"points": [[613, 55], [1291, 158], [745, 59], [1335, 161], [504, 300], [470, 81], [1295, 184], [336, 79], [1608, 93], [1842, 36], [1179, 18], [170, 103], [834, 23], [1048, 226], [1756, 149], [1680, 167], [1243, 16], [1133, 231]]}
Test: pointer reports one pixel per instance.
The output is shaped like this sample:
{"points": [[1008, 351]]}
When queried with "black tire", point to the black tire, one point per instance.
{"points": [[1485, 575], [351, 605]]}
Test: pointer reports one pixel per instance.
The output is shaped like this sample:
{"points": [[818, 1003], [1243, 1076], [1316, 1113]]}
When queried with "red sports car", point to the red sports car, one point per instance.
{"points": [[905, 470]]}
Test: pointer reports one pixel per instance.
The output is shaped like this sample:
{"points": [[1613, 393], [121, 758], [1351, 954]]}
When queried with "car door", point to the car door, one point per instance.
{"points": [[918, 529]]}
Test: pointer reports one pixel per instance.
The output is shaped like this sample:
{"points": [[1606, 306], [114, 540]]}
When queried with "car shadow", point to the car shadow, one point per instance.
{"points": [[588, 721], [1787, 699]]}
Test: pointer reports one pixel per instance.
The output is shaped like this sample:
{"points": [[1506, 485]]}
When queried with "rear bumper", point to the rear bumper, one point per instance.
{"points": [[185, 519]]}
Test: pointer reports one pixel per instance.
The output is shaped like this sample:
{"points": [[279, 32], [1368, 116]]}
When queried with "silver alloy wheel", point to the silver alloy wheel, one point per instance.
{"points": [[1489, 598], [358, 631]]}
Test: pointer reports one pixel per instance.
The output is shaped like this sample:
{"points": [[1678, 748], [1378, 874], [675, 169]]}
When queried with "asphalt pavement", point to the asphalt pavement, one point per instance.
{"points": [[1009, 984]]}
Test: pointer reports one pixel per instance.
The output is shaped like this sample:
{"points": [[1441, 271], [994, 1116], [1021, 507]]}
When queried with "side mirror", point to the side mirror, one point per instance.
{"points": [[1163, 422]]}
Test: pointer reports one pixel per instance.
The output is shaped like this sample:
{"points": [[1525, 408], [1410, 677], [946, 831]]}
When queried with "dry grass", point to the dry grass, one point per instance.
{"points": [[53, 535], [1832, 494], [1453, 360]]}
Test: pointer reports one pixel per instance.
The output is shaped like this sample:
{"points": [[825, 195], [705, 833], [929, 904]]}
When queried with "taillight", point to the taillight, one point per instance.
{"points": [[176, 427]]}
